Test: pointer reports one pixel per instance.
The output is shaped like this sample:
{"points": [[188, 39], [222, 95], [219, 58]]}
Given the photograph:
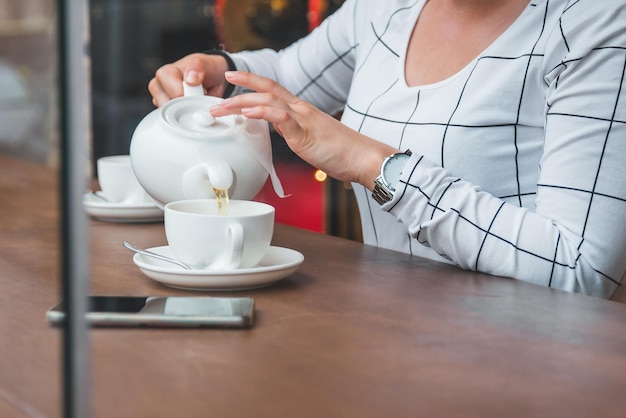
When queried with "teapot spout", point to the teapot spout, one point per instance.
{"points": [[220, 175], [200, 180]]}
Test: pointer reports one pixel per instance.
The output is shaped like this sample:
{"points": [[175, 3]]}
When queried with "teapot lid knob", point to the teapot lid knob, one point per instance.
{"points": [[203, 118]]}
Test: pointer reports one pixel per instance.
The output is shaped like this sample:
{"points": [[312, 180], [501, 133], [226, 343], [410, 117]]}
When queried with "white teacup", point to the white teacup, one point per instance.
{"points": [[203, 239], [118, 182]]}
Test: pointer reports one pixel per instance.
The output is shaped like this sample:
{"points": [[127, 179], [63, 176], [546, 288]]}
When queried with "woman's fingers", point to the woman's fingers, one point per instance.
{"points": [[252, 103], [159, 97], [259, 84], [163, 86], [271, 101], [194, 69]]}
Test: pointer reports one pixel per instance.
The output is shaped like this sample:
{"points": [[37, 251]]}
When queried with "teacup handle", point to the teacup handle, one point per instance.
{"points": [[231, 257], [199, 179]]}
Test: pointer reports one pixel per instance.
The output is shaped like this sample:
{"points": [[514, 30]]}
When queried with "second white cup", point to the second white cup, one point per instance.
{"points": [[118, 182], [203, 239]]}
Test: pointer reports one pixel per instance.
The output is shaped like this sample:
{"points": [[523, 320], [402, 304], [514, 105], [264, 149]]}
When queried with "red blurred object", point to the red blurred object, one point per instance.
{"points": [[304, 205], [218, 16], [315, 13]]}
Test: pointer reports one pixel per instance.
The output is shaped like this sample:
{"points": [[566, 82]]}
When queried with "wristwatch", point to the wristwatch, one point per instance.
{"points": [[390, 172]]}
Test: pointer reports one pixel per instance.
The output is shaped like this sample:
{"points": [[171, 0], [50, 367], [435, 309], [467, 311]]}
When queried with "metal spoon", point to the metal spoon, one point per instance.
{"points": [[155, 255], [97, 196]]}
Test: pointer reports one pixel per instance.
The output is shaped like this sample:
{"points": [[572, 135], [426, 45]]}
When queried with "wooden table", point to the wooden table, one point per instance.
{"points": [[355, 332]]}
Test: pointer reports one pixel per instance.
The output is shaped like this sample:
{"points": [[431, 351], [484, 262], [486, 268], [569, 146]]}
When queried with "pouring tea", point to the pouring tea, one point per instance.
{"points": [[179, 151]]}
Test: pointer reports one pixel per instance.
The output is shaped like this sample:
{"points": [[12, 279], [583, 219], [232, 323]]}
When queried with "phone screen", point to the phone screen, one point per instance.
{"points": [[169, 311]]}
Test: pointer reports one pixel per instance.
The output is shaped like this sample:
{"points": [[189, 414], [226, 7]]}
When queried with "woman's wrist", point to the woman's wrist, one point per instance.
{"points": [[230, 66], [372, 161]]}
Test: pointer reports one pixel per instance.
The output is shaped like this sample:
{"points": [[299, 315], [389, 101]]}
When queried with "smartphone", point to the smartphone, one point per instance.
{"points": [[163, 311]]}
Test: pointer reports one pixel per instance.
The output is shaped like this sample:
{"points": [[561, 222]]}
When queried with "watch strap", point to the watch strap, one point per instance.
{"points": [[380, 194]]}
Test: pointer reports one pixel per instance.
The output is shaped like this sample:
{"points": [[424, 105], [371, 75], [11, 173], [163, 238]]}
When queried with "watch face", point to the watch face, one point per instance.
{"points": [[392, 169]]}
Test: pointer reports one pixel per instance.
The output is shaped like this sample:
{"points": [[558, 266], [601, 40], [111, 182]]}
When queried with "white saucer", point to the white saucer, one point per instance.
{"points": [[276, 265], [121, 212]]}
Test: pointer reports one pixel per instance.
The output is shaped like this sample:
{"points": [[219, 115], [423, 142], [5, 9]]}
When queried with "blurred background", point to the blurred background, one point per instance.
{"points": [[129, 40]]}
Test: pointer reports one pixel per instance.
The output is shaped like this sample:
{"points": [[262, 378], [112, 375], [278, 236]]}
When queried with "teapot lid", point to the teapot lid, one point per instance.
{"points": [[190, 114]]}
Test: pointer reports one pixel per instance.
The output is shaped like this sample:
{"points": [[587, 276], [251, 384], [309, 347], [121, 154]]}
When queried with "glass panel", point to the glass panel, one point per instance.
{"points": [[27, 80]]}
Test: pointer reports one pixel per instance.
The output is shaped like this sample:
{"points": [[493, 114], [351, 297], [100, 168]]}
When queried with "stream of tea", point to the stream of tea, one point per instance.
{"points": [[221, 196]]}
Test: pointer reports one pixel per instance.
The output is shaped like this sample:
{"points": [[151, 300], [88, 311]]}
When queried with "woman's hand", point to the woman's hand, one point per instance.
{"points": [[194, 69], [313, 135]]}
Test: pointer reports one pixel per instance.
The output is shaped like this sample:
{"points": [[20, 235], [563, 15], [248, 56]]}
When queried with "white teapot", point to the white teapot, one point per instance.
{"points": [[179, 151]]}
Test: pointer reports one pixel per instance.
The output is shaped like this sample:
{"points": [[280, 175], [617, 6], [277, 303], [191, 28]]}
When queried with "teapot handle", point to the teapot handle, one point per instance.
{"points": [[193, 90], [200, 180]]}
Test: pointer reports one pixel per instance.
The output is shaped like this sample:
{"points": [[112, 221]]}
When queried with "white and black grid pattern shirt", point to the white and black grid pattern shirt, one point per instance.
{"points": [[519, 159]]}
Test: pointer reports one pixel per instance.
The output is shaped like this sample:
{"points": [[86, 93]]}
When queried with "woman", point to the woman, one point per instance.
{"points": [[514, 113]]}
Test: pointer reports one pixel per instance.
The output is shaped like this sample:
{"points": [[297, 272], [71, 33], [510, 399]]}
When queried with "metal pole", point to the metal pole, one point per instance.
{"points": [[74, 105]]}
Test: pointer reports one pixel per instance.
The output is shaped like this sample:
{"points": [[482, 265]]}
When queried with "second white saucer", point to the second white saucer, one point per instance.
{"points": [[121, 212]]}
